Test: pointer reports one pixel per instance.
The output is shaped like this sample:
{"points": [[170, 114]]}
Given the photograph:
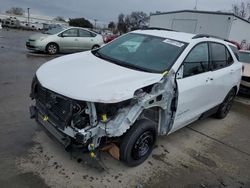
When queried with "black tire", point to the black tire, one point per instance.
{"points": [[52, 48], [226, 105], [137, 144], [95, 47]]}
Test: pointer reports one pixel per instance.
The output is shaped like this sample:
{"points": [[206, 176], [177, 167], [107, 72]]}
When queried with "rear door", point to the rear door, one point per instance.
{"points": [[86, 39], [194, 86], [225, 72]]}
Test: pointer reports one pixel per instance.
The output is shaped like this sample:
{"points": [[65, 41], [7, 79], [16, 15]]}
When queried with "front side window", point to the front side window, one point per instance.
{"points": [[197, 61], [70, 33], [142, 52]]}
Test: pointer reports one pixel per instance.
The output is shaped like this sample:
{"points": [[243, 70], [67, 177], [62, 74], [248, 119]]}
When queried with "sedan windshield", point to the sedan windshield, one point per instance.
{"points": [[142, 52], [244, 57], [53, 30]]}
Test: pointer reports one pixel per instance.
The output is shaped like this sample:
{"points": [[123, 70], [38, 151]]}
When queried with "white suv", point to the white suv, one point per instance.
{"points": [[146, 83]]}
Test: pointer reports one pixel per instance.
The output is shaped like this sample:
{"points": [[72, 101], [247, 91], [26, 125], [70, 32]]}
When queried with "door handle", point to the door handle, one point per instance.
{"points": [[209, 79], [76, 39], [232, 71]]}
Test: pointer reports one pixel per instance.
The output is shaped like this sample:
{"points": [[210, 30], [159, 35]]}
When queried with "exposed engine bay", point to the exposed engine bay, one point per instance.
{"points": [[87, 122]]}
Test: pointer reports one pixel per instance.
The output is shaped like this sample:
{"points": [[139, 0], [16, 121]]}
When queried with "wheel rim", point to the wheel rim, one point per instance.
{"points": [[143, 145], [228, 103], [52, 49], [95, 47]]}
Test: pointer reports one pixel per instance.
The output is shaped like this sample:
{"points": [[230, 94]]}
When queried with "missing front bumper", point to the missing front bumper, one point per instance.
{"points": [[49, 126]]}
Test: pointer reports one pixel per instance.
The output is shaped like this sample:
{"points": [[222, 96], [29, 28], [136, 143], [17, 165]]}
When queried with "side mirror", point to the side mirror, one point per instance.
{"points": [[179, 74]]}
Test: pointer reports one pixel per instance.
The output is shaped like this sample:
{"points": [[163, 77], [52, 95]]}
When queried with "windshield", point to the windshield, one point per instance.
{"points": [[244, 57], [53, 30], [142, 52]]}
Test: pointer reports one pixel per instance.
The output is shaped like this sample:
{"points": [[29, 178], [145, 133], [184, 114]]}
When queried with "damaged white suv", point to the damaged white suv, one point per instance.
{"points": [[145, 83]]}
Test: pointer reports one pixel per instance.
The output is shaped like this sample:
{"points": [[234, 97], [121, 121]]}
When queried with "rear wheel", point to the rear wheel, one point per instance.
{"points": [[138, 142], [52, 48], [95, 47], [226, 105]]}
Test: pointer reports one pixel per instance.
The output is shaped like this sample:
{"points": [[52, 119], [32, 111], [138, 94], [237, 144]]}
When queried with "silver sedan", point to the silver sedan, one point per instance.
{"points": [[61, 39]]}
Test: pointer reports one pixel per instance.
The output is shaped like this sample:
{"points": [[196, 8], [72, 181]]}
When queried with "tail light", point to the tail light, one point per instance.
{"points": [[104, 38]]}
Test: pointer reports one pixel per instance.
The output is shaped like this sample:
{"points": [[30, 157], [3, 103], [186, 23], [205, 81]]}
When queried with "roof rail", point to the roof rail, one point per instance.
{"points": [[157, 28], [206, 36], [212, 36]]}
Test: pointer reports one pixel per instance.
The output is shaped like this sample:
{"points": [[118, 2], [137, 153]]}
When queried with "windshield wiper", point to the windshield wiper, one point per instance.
{"points": [[117, 62]]}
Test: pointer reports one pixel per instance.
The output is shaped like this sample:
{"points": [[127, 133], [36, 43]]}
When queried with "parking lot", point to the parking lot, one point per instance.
{"points": [[208, 153]]}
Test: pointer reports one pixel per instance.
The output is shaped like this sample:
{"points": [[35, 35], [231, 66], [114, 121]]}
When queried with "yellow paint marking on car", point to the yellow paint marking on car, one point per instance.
{"points": [[165, 73], [45, 118]]}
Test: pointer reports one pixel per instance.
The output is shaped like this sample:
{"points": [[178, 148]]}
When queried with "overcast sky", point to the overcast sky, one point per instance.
{"points": [[108, 10]]}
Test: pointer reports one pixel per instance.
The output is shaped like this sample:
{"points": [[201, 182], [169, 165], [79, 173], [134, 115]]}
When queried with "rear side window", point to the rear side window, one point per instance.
{"points": [[83, 33], [197, 61], [220, 56]]}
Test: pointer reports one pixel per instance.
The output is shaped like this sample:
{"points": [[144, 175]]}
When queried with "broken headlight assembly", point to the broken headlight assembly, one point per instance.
{"points": [[106, 112]]}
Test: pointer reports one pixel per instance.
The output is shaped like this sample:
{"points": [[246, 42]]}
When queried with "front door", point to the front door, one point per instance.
{"points": [[194, 87], [69, 40]]}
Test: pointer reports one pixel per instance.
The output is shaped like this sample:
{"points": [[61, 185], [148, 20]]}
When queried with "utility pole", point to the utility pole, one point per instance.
{"points": [[95, 22], [28, 10], [195, 7]]}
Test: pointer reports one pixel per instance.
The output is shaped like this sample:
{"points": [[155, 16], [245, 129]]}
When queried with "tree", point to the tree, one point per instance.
{"points": [[111, 25], [16, 11], [80, 22], [121, 26], [133, 21], [235, 9], [137, 20], [241, 9], [60, 19]]}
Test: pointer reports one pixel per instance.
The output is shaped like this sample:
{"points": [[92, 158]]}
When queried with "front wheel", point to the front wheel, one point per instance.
{"points": [[52, 48], [226, 105], [137, 144]]}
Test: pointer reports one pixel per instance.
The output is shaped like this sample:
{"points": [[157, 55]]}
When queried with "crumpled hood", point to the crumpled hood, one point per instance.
{"points": [[83, 76], [37, 36]]}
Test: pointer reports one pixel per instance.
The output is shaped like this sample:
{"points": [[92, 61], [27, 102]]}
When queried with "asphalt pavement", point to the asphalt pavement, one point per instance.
{"points": [[207, 153]]}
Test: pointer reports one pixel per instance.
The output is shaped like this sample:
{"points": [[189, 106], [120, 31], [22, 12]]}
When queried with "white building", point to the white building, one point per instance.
{"points": [[222, 24], [35, 21]]}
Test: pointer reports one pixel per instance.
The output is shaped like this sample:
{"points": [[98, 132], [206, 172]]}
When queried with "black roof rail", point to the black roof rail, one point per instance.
{"points": [[210, 36], [157, 28], [206, 36]]}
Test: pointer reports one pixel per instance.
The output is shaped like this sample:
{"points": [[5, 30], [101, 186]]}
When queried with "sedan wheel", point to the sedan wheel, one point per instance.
{"points": [[52, 49]]}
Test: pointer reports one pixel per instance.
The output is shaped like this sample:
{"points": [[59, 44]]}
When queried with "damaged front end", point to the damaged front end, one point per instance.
{"points": [[87, 123]]}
